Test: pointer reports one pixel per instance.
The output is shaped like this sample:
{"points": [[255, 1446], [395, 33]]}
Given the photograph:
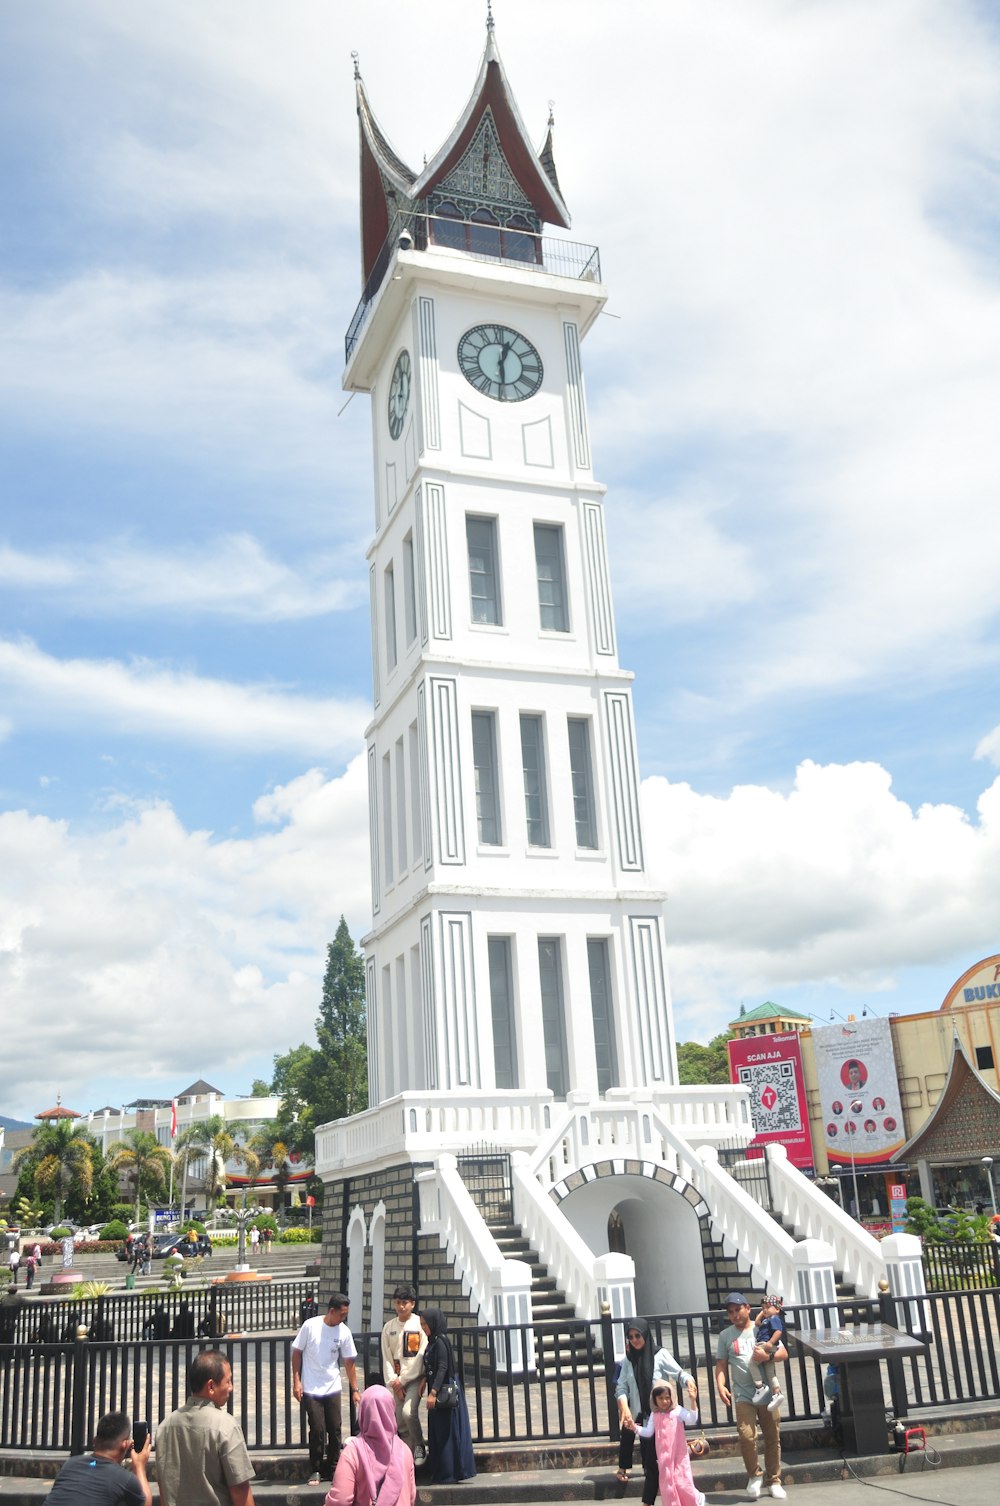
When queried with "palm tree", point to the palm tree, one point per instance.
{"points": [[220, 1145], [142, 1158], [58, 1154], [274, 1152], [189, 1146]]}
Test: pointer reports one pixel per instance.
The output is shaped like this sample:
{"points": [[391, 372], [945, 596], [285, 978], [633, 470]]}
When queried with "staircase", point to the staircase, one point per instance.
{"points": [[723, 1273]]}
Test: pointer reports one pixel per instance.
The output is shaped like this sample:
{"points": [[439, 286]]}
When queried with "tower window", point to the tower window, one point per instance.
{"points": [[582, 780], [518, 243], [984, 1058], [551, 572], [387, 815], [484, 589], [598, 963], [390, 618], [444, 233], [536, 809], [553, 1025], [502, 1006], [484, 234], [484, 760], [401, 807], [409, 590]]}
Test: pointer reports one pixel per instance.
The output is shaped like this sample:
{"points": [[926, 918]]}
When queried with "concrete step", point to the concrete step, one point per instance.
{"points": [[584, 1471]]}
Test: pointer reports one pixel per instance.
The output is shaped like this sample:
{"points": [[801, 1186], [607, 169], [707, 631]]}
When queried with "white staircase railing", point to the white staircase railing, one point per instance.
{"points": [[587, 1279], [856, 1253]]}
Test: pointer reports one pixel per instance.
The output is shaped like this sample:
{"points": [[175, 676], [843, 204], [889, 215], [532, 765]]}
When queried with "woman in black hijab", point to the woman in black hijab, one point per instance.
{"points": [[639, 1370], [449, 1435]]}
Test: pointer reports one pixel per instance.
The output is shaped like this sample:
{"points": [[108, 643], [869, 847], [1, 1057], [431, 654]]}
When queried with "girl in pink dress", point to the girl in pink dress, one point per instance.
{"points": [[666, 1425]]}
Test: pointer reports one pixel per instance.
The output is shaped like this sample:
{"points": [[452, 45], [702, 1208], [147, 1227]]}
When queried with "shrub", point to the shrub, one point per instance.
{"points": [[295, 1237], [114, 1230], [61, 1232], [195, 1224], [123, 1213]]}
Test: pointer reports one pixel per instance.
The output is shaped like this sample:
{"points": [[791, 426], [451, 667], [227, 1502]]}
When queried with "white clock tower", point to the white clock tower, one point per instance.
{"points": [[518, 1008], [517, 946]]}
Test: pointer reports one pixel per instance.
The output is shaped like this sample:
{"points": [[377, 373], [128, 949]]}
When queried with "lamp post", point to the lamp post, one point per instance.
{"points": [[987, 1165], [244, 1217], [849, 1127]]}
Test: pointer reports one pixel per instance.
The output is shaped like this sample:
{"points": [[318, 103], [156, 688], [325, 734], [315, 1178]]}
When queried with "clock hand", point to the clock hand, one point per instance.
{"points": [[503, 360]]}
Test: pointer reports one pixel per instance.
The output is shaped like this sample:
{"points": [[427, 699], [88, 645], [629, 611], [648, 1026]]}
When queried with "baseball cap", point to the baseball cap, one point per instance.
{"points": [[736, 1299]]}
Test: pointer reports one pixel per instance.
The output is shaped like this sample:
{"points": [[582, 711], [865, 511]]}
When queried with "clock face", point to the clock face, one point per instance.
{"points": [[399, 394], [500, 363]]}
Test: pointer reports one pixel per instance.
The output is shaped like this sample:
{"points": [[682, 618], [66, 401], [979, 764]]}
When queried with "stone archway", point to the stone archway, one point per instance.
{"points": [[656, 1215]]}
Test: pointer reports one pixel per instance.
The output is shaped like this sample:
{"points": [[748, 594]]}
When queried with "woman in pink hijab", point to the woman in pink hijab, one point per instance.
{"points": [[376, 1467]]}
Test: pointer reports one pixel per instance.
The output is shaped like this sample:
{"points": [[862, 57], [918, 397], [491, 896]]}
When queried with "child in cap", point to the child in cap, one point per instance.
{"points": [[770, 1327]]}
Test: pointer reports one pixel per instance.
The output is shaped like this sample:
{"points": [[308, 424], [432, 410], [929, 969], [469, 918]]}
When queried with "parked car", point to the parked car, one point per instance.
{"points": [[179, 1244]]}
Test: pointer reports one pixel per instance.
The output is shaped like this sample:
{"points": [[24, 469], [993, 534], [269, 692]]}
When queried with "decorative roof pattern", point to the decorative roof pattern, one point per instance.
{"points": [[484, 172], [967, 1114]]}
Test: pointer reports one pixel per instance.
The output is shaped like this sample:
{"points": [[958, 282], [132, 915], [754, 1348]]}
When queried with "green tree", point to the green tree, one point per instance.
{"points": [[704, 1064], [330, 1080], [59, 1160], [260, 1088], [144, 1161]]}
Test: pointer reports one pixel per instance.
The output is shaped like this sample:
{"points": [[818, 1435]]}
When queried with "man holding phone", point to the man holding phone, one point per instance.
{"points": [[99, 1479]]}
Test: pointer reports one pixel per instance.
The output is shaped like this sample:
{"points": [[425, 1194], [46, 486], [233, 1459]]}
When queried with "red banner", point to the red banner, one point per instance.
{"points": [[771, 1068]]}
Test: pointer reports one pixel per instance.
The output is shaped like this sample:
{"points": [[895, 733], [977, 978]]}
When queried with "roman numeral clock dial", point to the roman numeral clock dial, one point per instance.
{"points": [[500, 363]]}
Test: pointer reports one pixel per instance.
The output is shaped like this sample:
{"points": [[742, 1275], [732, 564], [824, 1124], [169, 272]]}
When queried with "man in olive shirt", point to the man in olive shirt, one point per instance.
{"points": [[201, 1454]]}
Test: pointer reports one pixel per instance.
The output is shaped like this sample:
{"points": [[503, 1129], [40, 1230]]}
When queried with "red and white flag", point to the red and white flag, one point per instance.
{"points": [[173, 1117]]}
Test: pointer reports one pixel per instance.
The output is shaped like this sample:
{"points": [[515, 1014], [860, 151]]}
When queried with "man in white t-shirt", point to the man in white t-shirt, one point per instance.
{"points": [[319, 1349]]}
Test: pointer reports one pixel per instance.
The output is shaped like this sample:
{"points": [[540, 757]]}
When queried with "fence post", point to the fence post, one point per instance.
{"points": [[897, 1383], [78, 1414], [610, 1368]]}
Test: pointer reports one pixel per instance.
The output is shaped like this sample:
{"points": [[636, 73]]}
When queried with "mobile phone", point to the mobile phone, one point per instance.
{"points": [[140, 1432]]}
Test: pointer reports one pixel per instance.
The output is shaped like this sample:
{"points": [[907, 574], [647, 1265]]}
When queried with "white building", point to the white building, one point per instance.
{"points": [[516, 969]]}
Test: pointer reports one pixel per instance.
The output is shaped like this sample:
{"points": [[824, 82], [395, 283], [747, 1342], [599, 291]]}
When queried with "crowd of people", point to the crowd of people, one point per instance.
{"points": [[201, 1453]]}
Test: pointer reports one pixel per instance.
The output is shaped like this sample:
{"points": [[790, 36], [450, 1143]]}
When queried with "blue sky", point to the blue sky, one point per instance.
{"points": [[794, 400]]}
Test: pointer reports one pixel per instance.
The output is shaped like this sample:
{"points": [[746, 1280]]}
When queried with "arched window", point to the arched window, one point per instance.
{"points": [[518, 242], [444, 234], [484, 234]]}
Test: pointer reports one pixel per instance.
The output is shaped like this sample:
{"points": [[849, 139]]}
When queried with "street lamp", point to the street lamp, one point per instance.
{"points": [[987, 1165]]}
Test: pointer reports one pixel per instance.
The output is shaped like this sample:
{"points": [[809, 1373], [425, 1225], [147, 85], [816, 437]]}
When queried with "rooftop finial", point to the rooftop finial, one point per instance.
{"points": [[357, 64], [552, 118], [489, 15]]}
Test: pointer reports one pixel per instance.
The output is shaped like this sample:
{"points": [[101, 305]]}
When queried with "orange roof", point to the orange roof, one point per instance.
{"points": [[58, 1113]]}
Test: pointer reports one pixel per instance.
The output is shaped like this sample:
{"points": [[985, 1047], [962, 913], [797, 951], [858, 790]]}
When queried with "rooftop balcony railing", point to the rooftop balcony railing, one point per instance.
{"points": [[479, 240]]}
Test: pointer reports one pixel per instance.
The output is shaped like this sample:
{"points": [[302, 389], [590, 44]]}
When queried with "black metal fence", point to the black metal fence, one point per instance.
{"points": [[961, 1265], [191, 1312], [485, 1170], [748, 1165], [51, 1395]]}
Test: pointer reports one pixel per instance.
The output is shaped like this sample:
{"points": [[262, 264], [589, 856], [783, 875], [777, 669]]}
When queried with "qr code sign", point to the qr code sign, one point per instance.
{"points": [[773, 1096]]}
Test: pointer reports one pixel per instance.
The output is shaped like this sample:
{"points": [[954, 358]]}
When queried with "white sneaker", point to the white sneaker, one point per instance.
{"points": [[761, 1395], [755, 1485], [775, 1402], [778, 1492]]}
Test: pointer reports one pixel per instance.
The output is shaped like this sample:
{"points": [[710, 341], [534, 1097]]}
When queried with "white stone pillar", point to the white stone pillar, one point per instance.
{"points": [[615, 1277], [815, 1284]]}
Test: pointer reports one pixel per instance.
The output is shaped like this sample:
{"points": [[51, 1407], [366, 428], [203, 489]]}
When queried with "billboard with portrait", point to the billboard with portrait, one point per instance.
{"points": [[770, 1068], [858, 1091]]}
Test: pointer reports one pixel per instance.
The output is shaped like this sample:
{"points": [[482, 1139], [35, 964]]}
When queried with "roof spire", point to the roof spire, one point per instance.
{"points": [[489, 15], [355, 58]]}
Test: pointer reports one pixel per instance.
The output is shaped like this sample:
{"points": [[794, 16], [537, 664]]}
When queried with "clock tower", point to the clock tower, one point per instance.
{"points": [[518, 1008], [517, 946]]}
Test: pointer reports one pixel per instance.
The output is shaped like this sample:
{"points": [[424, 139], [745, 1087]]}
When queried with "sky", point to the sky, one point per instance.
{"points": [[794, 399]]}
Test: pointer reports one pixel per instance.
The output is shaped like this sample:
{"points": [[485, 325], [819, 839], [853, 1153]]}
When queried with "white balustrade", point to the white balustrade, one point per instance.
{"points": [[499, 1289], [856, 1253], [744, 1225]]}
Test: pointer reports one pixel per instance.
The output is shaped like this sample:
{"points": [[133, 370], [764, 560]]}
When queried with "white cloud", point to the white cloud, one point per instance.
{"points": [[146, 699], [231, 576], [834, 882], [145, 950]]}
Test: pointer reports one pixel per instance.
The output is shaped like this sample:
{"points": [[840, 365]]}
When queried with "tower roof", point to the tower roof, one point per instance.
{"points": [[490, 116]]}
